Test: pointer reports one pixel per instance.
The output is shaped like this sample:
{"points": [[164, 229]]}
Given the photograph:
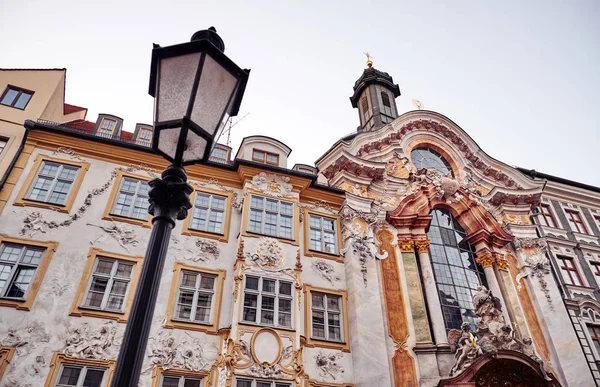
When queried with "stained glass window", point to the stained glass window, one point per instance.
{"points": [[429, 159], [456, 273]]}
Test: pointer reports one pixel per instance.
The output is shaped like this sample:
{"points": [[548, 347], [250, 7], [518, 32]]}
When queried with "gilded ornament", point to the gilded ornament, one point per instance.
{"points": [[422, 246], [485, 260], [407, 246]]}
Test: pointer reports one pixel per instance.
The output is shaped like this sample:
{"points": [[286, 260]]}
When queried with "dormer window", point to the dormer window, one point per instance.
{"points": [[219, 155], [16, 97], [385, 99], [144, 137], [265, 157], [107, 127]]}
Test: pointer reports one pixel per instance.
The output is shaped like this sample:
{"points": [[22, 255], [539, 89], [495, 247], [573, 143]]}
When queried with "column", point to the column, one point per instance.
{"points": [[433, 299], [486, 260]]}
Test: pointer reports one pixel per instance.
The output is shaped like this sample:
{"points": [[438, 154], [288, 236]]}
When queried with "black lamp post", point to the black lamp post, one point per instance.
{"points": [[196, 89]]}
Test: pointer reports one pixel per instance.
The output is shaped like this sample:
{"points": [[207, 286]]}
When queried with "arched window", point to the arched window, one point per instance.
{"points": [[456, 273], [385, 99], [423, 157]]}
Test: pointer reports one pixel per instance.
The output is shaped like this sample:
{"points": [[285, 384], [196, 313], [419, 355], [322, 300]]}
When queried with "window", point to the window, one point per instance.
{"points": [[144, 137], [107, 127], [597, 219], [594, 332], [23, 264], [596, 271], [52, 183], [208, 213], [385, 99], [219, 155], [265, 157], [271, 217], [180, 381], [428, 158], [6, 355], [456, 273], [3, 142], [323, 234], [326, 316], [268, 302], [18, 265], [366, 113], [107, 286], [129, 200], [16, 97], [575, 221], [569, 270], [259, 383], [81, 376], [306, 170], [547, 218], [195, 298]]}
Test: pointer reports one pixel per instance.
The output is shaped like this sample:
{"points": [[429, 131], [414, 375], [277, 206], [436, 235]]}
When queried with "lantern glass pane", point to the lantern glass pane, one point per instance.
{"points": [[167, 141], [214, 91], [176, 80], [194, 147]]}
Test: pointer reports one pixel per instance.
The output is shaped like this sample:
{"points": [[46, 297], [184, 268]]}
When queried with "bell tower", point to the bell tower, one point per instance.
{"points": [[375, 97]]}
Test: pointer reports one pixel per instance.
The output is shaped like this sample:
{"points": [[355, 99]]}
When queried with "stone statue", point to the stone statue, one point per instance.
{"points": [[465, 345]]}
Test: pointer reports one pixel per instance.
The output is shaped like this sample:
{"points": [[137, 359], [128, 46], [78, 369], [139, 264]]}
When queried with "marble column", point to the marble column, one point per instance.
{"points": [[486, 260], [433, 299]]}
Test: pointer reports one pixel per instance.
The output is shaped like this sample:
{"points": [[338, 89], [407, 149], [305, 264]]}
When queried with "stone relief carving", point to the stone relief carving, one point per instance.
{"points": [[532, 252], [214, 183], [186, 352], [268, 255], [124, 235], [23, 336], [202, 251], [34, 221], [492, 334], [326, 271], [67, 152], [273, 185], [328, 364], [84, 343]]}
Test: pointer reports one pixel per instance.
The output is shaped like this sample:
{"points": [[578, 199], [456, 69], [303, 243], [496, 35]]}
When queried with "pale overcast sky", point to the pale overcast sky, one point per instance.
{"points": [[521, 77]]}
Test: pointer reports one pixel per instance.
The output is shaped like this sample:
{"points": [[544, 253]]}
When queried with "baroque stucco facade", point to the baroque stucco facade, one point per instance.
{"points": [[392, 328]]}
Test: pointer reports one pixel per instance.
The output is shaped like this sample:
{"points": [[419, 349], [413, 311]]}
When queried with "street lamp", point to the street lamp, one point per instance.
{"points": [[196, 89]]}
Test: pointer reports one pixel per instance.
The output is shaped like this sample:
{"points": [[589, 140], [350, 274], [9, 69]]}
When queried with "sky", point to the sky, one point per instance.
{"points": [[520, 77]]}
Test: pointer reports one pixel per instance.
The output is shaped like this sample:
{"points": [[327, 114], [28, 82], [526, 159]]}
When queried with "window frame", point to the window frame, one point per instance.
{"points": [[6, 355], [308, 252], [171, 322], [253, 380], [344, 344], [108, 215], [59, 360], [246, 218], [187, 222], [218, 159], [27, 302], [568, 270], [19, 91], [27, 185], [79, 310], [158, 373], [276, 295], [112, 131], [265, 158], [550, 215], [570, 215], [138, 137], [4, 140]]}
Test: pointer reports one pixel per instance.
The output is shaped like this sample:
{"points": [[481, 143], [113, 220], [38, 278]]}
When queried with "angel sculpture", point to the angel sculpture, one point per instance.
{"points": [[465, 345], [487, 306]]}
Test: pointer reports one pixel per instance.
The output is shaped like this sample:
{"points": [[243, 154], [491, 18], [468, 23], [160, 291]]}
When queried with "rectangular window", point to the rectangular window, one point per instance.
{"points": [[52, 183], [180, 381], [144, 137], [326, 316], [594, 332], [208, 213], [18, 266], [597, 219], [3, 142], [107, 127], [109, 285], [575, 221], [195, 297], [16, 97], [596, 270], [271, 217], [81, 376], [132, 199], [243, 382], [219, 155], [268, 302], [569, 270], [265, 157], [323, 234], [547, 218]]}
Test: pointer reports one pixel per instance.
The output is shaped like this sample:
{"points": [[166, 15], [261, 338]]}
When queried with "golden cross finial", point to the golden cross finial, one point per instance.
{"points": [[418, 104], [369, 57]]}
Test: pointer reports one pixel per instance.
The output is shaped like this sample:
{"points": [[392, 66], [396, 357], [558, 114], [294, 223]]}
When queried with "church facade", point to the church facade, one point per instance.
{"points": [[405, 257]]}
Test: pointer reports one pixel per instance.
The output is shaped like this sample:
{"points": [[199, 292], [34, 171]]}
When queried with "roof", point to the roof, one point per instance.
{"points": [[532, 173], [88, 127], [68, 108]]}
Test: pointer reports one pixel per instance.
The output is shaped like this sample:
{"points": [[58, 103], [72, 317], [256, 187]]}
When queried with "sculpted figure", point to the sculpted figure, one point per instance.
{"points": [[466, 348]]}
